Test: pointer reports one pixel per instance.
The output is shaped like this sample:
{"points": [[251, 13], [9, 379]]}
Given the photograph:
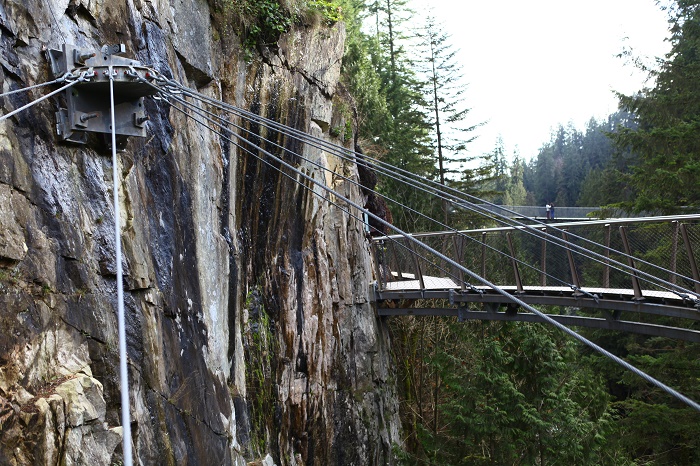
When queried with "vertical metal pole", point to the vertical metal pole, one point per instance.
{"points": [[459, 254], [606, 270], [516, 271], [674, 252], [395, 258], [483, 254], [123, 373], [543, 260], [416, 262], [691, 257], [572, 264], [635, 278]]}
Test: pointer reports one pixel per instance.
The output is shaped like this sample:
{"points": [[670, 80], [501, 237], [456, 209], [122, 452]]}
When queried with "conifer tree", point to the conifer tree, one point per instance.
{"points": [[405, 141], [444, 91], [667, 140]]}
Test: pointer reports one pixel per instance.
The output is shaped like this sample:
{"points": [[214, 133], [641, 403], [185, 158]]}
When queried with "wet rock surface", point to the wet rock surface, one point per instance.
{"points": [[250, 337]]}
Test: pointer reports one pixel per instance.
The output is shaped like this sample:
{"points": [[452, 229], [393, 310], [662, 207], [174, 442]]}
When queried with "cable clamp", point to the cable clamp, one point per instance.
{"points": [[66, 77], [473, 288], [161, 96], [131, 72], [576, 289], [70, 77], [174, 90]]}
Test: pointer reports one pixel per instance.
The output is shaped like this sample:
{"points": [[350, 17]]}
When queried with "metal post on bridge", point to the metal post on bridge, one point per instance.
{"points": [[572, 264], [674, 251], [691, 257], [516, 271], [459, 254], [483, 254], [635, 278], [543, 260], [377, 266], [395, 257], [606, 270], [416, 262]]}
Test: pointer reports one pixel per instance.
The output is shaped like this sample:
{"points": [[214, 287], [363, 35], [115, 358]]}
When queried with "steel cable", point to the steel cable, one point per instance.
{"points": [[123, 372], [684, 293], [502, 253], [83, 77], [485, 282], [36, 86], [340, 151], [325, 199]]}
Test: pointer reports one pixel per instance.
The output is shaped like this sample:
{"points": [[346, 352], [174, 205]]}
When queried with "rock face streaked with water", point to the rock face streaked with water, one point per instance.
{"points": [[250, 335]]}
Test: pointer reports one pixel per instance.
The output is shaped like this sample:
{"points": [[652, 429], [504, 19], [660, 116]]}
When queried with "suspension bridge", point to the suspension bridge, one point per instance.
{"points": [[596, 273], [601, 274]]}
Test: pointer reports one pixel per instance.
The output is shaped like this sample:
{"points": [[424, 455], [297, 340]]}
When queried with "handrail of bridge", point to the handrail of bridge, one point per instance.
{"points": [[560, 225], [540, 212], [634, 267], [408, 279]]}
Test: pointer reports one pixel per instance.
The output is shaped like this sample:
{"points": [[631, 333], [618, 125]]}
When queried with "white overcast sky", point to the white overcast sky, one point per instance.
{"points": [[532, 65]]}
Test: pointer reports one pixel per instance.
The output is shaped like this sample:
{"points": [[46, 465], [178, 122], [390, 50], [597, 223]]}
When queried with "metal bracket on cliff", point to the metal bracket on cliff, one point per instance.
{"points": [[87, 104]]}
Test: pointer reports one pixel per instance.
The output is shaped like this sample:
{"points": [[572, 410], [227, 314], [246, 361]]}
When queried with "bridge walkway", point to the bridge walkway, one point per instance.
{"points": [[582, 291]]}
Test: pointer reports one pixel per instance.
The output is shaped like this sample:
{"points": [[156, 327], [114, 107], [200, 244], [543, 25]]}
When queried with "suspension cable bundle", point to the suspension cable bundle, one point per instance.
{"points": [[170, 91], [175, 93]]}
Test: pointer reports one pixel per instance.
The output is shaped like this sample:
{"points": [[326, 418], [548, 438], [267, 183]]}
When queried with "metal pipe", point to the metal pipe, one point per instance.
{"points": [[691, 256], [635, 279], [516, 271]]}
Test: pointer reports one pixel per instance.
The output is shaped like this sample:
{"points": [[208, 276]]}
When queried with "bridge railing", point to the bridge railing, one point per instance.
{"points": [[515, 256], [540, 212]]}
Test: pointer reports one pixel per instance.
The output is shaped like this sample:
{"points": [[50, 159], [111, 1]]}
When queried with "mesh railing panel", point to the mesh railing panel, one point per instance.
{"points": [[658, 247]]}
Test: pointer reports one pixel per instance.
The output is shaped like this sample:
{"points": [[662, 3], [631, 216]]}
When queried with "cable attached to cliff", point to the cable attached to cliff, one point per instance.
{"points": [[352, 181], [123, 372], [475, 276], [422, 184], [36, 86], [448, 273], [626, 269], [72, 82], [324, 199]]}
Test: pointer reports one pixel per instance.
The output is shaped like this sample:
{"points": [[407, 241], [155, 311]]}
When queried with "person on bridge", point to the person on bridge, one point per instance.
{"points": [[551, 210], [548, 208]]}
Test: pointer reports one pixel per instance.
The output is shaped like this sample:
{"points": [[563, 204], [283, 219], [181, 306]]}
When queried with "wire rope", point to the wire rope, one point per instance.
{"points": [[30, 104], [340, 151], [560, 242], [491, 248], [485, 282], [347, 211], [123, 372], [36, 86]]}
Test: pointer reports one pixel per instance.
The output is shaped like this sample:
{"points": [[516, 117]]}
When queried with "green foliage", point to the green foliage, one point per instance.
{"points": [[258, 23], [666, 142], [441, 78], [260, 347], [331, 10], [579, 168], [651, 427], [514, 394], [392, 121]]}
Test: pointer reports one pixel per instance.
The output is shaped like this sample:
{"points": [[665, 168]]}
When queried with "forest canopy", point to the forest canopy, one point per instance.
{"points": [[507, 393]]}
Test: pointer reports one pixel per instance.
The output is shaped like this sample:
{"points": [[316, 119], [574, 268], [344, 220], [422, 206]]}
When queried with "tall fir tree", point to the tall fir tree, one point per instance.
{"points": [[406, 141], [444, 91]]}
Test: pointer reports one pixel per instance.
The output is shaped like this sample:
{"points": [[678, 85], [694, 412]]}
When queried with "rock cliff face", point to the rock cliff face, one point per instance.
{"points": [[249, 332]]}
